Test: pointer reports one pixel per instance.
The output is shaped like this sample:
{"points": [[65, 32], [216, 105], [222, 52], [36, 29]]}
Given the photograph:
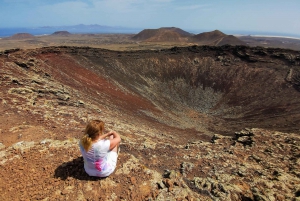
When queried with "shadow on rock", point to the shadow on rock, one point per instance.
{"points": [[73, 169]]}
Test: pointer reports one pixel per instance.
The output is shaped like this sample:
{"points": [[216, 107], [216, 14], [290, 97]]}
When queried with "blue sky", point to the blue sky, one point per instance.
{"points": [[235, 15]]}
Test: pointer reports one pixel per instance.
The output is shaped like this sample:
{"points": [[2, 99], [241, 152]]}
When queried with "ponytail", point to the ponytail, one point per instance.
{"points": [[86, 142], [93, 129]]}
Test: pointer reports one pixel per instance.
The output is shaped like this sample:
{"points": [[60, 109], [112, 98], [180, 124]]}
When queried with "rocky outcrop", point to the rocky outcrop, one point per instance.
{"points": [[293, 76]]}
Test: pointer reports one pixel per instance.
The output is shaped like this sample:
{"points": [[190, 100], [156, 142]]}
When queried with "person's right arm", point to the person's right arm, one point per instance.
{"points": [[115, 141]]}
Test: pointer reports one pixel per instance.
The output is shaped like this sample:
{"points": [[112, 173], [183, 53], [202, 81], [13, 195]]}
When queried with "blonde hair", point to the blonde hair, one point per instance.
{"points": [[93, 129]]}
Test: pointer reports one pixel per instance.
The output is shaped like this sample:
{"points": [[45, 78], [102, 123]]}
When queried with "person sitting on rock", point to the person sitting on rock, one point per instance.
{"points": [[99, 151]]}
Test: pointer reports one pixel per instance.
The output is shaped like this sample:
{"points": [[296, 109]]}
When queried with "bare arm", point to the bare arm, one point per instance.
{"points": [[114, 140], [105, 135]]}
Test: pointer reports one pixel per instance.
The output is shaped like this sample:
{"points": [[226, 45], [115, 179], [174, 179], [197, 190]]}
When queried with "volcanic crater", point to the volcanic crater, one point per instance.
{"points": [[202, 88], [163, 102]]}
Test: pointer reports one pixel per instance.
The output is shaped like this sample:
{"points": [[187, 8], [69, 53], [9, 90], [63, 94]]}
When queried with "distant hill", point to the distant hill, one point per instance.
{"points": [[216, 38], [165, 34], [231, 40], [209, 37], [61, 33], [173, 34], [19, 36]]}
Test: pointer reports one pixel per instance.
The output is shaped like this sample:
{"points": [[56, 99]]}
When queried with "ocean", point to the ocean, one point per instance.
{"points": [[6, 32]]}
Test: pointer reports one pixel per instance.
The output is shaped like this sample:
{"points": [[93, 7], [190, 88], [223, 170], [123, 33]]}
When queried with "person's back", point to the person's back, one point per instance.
{"points": [[99, 154]]}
